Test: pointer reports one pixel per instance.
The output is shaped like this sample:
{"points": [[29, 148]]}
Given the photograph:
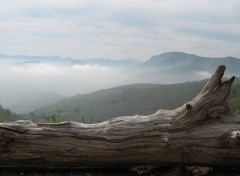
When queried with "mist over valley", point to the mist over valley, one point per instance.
{"points": [[30, 83]]}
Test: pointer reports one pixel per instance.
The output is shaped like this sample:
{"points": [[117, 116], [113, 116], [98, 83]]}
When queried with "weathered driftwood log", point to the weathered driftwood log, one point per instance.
{"points": [[200, 132]]}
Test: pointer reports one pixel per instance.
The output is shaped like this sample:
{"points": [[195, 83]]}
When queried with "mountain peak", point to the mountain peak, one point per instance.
{"points": [[169, 60], [183, 67], [175, 52]]}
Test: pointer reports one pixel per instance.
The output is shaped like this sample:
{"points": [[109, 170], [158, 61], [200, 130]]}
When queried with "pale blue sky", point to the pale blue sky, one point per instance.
{"points": [[119, 29]]}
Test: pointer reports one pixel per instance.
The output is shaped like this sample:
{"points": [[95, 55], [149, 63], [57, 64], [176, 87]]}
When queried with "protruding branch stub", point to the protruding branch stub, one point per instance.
{"points": [[214, 81], [211, 102]]}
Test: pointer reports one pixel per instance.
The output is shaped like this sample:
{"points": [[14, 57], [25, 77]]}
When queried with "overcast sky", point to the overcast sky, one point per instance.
{"points": [[119, 29]]}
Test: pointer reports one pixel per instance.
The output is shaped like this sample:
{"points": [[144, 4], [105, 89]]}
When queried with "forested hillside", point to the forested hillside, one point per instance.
{"points": [[6, 115], [135, 99]]}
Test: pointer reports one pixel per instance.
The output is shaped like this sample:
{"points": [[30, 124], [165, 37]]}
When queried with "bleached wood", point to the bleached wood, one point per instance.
{"points": [[199, 132]]}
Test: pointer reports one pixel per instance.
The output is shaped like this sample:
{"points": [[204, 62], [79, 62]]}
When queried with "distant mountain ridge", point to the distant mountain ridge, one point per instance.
{"points": [[176, 67], [178, 59], [25, 59]]}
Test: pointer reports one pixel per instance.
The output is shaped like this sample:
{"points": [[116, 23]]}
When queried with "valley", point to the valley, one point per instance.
{"points": [[95, 90]]}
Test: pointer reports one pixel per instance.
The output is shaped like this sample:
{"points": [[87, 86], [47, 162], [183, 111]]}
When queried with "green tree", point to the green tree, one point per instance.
{"points": [[53, 118]]}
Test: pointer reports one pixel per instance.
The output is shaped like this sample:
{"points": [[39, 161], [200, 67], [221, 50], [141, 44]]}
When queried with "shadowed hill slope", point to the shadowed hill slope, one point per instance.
{"points": [[6, 115], [136, 99]]}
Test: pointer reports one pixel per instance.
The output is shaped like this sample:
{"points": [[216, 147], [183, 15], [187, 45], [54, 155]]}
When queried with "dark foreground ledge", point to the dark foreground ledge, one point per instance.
{"points": [[179, 170]]}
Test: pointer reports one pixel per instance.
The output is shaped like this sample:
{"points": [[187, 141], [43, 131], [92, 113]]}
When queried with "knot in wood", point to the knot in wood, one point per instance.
{"points": [[188, 106], [238, 136], [235, 135], [166, 140]]}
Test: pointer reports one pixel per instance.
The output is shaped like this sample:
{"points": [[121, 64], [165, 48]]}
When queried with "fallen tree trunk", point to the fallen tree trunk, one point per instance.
{"points": [[200, 132]]}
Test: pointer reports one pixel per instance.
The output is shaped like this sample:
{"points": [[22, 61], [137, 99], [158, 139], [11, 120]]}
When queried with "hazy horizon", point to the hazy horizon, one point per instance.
{"points": [[111, 58]]}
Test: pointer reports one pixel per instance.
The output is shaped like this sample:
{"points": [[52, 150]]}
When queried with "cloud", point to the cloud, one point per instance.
{"points": [[216, 34], [119, 29], [60, 79]]}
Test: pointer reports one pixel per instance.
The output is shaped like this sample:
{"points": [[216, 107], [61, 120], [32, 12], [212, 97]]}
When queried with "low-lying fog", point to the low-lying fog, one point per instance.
{"points": [[60, 79], [20, 82], [26, 86]]}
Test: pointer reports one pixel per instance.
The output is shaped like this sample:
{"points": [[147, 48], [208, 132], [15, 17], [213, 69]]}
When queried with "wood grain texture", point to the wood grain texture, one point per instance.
{"points": [[199, 132]]}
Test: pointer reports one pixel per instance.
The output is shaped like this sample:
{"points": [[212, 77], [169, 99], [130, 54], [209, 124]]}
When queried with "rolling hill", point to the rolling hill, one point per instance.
{"points": [[135, 99]]}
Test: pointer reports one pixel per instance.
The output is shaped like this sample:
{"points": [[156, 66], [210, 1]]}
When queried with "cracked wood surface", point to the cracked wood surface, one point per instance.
{"points": [[200, 132]]}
